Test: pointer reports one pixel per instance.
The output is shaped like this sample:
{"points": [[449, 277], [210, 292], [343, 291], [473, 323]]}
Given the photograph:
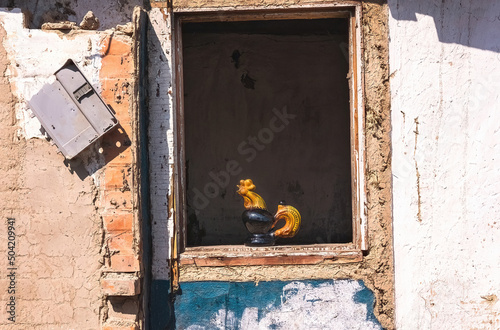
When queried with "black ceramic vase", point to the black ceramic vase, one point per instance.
{"points": [[259, 223]]}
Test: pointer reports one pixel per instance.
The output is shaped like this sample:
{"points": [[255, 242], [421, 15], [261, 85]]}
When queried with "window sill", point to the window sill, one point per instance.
{"points": [[239, 255]]}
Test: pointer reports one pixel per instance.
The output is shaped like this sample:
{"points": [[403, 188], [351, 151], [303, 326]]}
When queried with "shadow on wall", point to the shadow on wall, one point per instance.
{"points": [[110, 146], [469, 23], [109, 13]]}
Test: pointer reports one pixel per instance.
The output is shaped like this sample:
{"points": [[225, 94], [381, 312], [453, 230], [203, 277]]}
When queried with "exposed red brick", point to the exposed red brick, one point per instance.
{"points": [[117, 200], [116, 93], [120, 287], [113, 46], [124, 263], [121, 133], [116, 66], [125, 127], [119, 327], [121, 158], [118, 222], [117, 177], [121, 241], [116, 146], [117, 76]]}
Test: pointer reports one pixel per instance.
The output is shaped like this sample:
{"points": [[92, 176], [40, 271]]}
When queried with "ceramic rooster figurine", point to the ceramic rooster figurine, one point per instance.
{"points": [[260, 222]]}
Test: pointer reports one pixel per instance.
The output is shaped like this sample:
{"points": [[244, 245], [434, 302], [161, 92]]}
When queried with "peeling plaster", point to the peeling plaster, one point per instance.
{"points": [[29, 73], [109, 13], [342, 304]]}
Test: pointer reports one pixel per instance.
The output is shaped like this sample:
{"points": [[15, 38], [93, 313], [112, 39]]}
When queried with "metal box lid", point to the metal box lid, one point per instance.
{"points": [[71, 111]]}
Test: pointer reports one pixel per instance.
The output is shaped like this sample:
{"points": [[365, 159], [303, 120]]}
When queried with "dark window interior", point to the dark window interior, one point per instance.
{"points": [[241, 81]]}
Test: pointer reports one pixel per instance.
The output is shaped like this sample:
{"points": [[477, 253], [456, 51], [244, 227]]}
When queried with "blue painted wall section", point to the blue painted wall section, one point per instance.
{"points": [[161, 311], [315, 304]]}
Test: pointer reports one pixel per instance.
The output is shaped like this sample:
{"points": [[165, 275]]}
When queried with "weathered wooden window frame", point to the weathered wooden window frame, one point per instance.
{"points": [[234, 255]]}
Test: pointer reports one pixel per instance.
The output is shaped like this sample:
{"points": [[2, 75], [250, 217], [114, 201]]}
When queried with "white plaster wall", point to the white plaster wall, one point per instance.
{"points": [[160, 138], [445, 83]]}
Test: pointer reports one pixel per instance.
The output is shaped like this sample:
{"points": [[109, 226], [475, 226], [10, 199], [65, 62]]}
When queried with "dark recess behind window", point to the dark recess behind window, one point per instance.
{"points": [[330, 26], [235, 74]]}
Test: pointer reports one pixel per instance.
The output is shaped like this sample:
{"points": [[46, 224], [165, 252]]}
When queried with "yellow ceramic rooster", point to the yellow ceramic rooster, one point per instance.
{"points": [[259, 221]]}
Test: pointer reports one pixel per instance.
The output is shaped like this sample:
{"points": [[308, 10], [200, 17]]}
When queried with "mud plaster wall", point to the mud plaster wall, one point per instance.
{"points": [[58, 230], [376, 269], [445, 78], [61, 206]]}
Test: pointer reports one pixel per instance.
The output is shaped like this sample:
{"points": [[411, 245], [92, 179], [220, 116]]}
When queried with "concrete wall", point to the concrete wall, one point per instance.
{"points": [[445, 78]]}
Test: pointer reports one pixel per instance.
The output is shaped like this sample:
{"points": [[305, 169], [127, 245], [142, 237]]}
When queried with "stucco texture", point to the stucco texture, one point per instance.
{"points": [[57, 230], [445, 78], [59, 207]]}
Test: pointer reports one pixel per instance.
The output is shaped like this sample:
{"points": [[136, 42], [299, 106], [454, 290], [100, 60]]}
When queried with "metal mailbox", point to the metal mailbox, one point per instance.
{"points": [[71, 111]]}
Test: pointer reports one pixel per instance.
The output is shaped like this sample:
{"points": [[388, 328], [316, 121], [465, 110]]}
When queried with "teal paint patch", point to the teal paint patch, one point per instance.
{"points": [[366, 297], [338, 304]]}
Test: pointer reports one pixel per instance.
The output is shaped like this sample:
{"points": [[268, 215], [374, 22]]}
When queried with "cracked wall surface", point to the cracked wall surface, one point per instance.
{"points": [[58, 231], [445, 78], [76, 220]]}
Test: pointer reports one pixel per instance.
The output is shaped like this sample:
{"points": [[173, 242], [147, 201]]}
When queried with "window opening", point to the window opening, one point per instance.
{"points": [[270, 101]]}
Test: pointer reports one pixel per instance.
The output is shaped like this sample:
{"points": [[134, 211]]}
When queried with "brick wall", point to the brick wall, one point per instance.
{"points": [[120, 277]]}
